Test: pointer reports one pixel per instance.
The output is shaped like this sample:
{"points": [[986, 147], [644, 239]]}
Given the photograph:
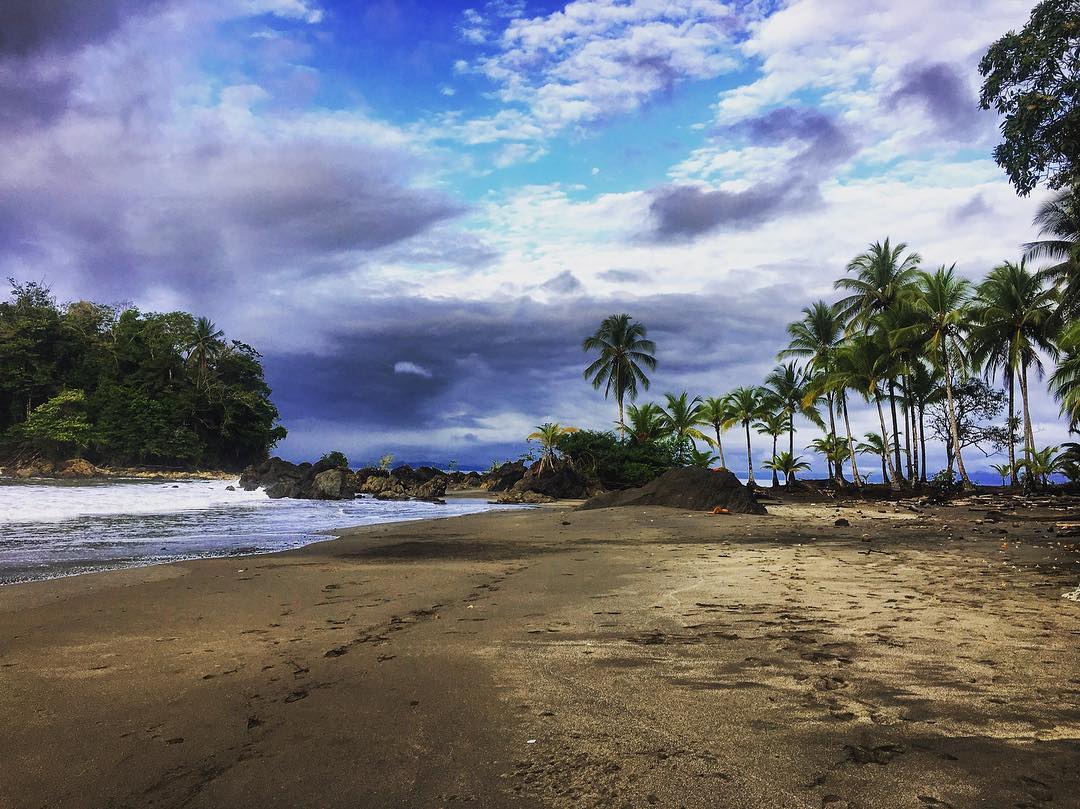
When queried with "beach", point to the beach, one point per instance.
{"points": [[550, 657]]}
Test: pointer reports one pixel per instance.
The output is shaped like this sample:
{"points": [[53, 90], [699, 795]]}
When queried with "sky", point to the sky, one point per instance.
{"points": [[416, 211]]}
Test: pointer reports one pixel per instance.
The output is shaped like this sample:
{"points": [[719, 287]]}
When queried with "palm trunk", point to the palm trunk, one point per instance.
{"points": [[720, 446], [895, 432], [884, 473], [775, 479], [952, 420], [840, 456], [791, 444], [906, 408], [1014, 481], [922, 442], [833, 471], [749, 458], [894, 481], [850, 442], [1029, 435], [622, 424]]}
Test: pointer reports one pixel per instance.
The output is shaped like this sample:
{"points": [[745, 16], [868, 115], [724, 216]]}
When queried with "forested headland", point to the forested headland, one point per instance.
{"points": [[121, 387]]}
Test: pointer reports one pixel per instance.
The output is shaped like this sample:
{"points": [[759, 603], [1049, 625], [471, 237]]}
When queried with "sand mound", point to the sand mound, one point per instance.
{"points": [[691, 488]]}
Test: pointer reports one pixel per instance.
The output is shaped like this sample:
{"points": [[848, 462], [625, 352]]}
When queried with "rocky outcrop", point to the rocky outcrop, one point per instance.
{"points": [[325, 481], [690, 488], [464, 481], [503, 478], [558, 481], [514, 497], [78, 469]]}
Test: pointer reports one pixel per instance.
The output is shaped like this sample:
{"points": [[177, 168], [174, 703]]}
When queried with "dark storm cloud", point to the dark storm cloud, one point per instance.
{"points": [[682, 212], [941, 89], [512, 355], [34, 26]]}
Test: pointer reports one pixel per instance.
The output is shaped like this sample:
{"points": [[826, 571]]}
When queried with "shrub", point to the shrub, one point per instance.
{"points": [[615, 464], [338, 459]]}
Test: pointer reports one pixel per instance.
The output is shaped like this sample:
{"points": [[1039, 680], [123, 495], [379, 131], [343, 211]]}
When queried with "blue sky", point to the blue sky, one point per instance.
{"points": [[416, 210]]}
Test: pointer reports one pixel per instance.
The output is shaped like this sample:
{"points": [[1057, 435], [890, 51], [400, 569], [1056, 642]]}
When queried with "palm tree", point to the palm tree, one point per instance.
{"points": [[624, 351], [1065, 381], [681, 418], [1004, 470], [943, 297], [1016, 319], [746, 405], [922, 388], [1041, 465], [549, 434], [786, 464], [883, 275], [875, 445], [1059, 218], [704, 459], [774, 424], [816, 338], [834, 449], [203, 344], [861, 364], [645, 422], [787, 383], [714, 412]]}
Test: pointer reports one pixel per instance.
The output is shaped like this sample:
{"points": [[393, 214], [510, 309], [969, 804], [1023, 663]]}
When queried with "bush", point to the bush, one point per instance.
{"points": [[338, 459], [614, 464]]}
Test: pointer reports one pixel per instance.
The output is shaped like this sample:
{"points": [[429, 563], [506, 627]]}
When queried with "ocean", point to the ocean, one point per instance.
{"points": [[52, 529]]}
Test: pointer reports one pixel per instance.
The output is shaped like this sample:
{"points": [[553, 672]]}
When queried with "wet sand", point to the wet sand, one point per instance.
{"points": [[621, 657]]}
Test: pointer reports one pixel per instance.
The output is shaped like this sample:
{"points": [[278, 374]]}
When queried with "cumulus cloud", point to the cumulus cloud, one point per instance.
{"points": [[411, 368], [946, 97]]}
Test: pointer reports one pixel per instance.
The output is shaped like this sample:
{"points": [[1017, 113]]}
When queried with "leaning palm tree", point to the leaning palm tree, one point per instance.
{"points": [[943, 298], [1016, 319], [788, 384], [875, 445], [1059, 218], [861, 365], [745, 406], [203, 344], [815, 338], [774, 424], [714, 412], [787, 465], [549, 434], [624, 352], [681, 419], [645, 423]]}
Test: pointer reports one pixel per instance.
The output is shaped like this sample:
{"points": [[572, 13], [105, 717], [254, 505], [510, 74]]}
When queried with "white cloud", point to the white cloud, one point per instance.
{"points": [[411, 368]]}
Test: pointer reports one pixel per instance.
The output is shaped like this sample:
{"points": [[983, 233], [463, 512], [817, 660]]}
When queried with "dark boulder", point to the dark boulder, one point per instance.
{"points": [[689, 487], [558, 480], [504, 477]]}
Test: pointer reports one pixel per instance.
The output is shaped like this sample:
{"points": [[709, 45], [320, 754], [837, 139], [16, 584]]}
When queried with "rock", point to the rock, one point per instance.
{"points": [[230, 488], [558, 480], [78, 468], [284, 488], [689, 487], [377, 485], [517, 497], [271, 472], [333, 484], [37, 468], [392, 495], [841, 523], [430, 490], [503, 478]]}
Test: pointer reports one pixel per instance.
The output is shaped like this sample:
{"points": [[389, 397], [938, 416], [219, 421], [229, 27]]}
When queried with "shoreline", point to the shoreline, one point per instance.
{"points": [[549, 657]]}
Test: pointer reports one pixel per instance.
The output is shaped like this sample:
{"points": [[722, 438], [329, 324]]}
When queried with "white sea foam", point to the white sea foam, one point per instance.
{"points": [[53, 529]]}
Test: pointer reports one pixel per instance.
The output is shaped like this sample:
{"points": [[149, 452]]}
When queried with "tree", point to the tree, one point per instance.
{"points": [[875, 444], [977, 408], [204, 343], [834, 449], [337, 458], [787, 465], [1033, 79], [714, 412], [624, 352], [882, 275], [549, 434], [646, 422], [681, 419], [1059, 219], [942, 300], [1004, 471], [788, 384], [746, 405], [773, 423], [58, 426], [1016, 320], [1065, 381]]}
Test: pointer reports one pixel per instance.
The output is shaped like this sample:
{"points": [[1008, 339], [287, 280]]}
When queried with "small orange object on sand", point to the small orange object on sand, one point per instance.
{"points": [[720, 510]]}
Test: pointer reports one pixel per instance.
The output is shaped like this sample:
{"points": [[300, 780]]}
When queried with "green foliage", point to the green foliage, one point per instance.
{"points": [[386, 461], [163, 389], [614, 463], [624, 352], [337, 458], [1033, 79]]}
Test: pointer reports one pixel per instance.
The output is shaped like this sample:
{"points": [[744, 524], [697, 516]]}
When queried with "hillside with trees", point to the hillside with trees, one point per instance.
{"points": [[124, 387]]}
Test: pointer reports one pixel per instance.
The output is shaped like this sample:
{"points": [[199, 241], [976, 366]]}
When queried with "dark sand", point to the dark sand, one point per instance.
{"points": [[622, 657]]}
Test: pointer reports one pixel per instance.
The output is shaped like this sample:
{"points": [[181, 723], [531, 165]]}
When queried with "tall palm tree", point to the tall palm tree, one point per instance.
{"points": [[787, 383], [1016, 318], [923, 387], [774, 424], [549, 434], [745, 406], [875, 445], [882, 276], [714, 412], [624, 352], [203, 344], [681, 419], [1059, 218], [645, 422], [943, 298], [861, 365], [816, 338]]}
